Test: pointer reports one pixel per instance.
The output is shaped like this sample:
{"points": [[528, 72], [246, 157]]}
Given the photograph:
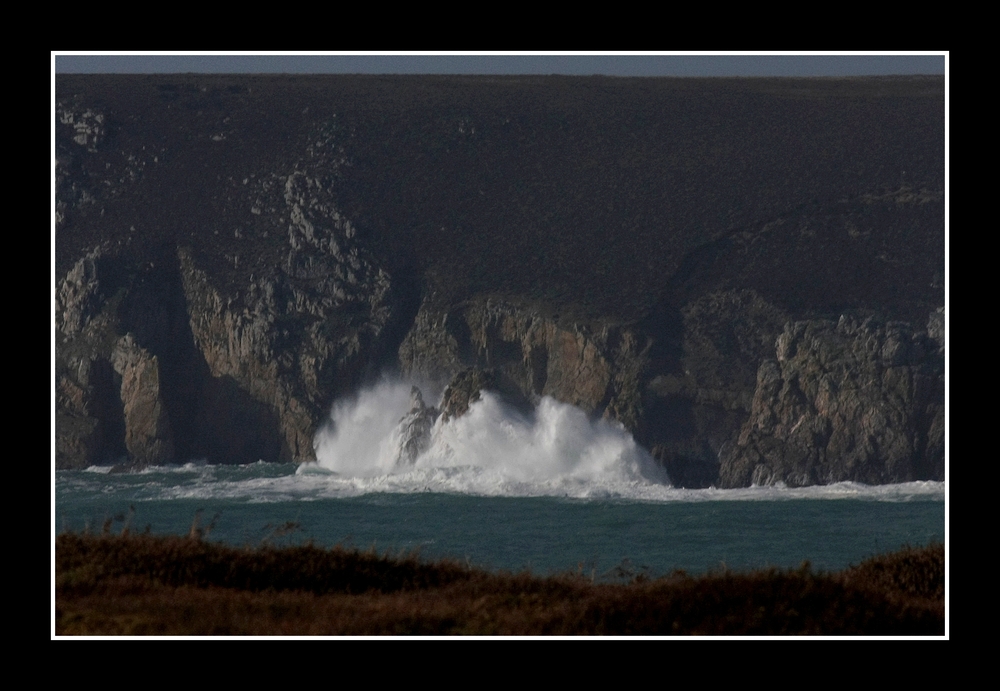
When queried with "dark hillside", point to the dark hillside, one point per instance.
{"points": [[365, 205], [538, 185]]}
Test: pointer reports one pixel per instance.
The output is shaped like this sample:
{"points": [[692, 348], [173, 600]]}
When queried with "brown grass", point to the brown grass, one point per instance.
{"points": [[142, 585]]}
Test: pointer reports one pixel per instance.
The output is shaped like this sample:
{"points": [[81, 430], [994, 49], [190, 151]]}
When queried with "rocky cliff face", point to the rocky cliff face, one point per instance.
{"points": [[210, 358], [749, 276], [532, 355], [854, 400]]}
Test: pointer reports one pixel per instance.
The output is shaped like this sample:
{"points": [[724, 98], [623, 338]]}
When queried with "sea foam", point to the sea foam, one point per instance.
{"points": [[492, 449]]}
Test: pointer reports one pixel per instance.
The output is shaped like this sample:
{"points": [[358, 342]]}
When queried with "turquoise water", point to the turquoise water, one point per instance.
{"points": [[694, 530]]}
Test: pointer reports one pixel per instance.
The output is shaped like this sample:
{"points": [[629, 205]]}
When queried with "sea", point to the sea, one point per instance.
{"points": [[547, 491]]}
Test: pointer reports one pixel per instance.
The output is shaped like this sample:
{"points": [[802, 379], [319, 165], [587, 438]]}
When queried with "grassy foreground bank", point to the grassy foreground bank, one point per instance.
{"points": [[146, 585]]}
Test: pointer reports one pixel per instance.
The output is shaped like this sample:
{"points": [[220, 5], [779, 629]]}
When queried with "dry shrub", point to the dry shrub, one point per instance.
{"points": [[142, 585]]}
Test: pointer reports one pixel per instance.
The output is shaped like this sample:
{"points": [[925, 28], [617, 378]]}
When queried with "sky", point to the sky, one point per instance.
{"points": [[645, 65]]}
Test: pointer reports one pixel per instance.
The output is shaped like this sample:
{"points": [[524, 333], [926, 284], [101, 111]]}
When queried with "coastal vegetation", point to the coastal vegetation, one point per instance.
{"points": [[137, 585]]}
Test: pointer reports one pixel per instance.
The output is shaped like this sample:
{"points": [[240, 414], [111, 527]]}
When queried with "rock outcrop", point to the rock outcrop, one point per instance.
{"points": [[148, 436], [526, 355], [464, 390], [851, 400], [235, 253], [415, 429]]}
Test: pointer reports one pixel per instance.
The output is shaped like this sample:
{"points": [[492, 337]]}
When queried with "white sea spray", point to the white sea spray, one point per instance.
{"points": [[492, 449]]}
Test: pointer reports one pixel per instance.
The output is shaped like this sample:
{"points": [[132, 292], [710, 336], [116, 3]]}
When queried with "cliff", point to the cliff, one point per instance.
{"points": [[748, 274]]}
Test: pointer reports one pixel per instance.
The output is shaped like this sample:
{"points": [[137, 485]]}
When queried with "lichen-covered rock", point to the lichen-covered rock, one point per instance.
{"points": [[851, 400]]}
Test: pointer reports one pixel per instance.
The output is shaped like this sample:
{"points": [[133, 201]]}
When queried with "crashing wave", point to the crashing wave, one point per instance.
{"points": [[389, 432]]}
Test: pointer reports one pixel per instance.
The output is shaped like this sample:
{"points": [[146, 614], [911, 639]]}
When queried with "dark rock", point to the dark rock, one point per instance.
{"points": [[693, 411], [686, 470], [464, 390], [415, 428]]}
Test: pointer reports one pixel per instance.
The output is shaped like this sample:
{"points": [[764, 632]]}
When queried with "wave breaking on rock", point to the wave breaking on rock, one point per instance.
{"points": [[387, 430]]}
